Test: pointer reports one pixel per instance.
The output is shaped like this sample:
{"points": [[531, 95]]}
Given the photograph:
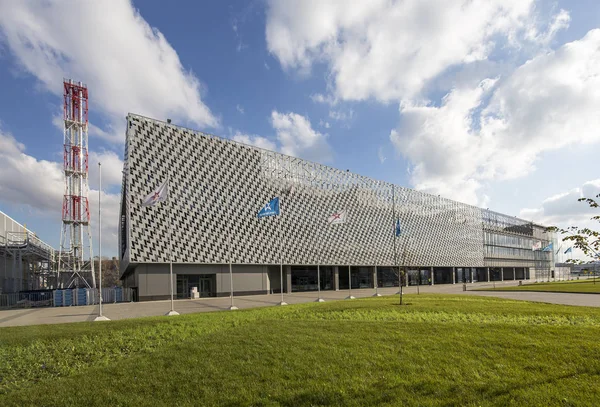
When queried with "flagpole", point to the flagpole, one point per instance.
{"points": [[100, 317], [349, 297], [319, 260], [281, 248], [395, 237], [231, 306], [319, 283], [172, 312]]}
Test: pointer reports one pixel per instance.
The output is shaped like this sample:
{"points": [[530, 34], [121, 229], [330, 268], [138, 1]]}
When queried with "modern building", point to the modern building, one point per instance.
{"points": [[217, 187], [25, 260]]}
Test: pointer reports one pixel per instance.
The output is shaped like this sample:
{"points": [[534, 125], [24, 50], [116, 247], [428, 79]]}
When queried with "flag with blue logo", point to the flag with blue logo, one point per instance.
{"points": [[270, 209], [398, 228], [548, 248], [569, 250]]}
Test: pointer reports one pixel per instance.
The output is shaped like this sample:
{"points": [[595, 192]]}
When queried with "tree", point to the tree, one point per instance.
{"points": [[110, 272], [584, 239]]}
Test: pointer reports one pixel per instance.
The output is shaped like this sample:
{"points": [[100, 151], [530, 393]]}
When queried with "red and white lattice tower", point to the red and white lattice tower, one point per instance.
{"points": [[75, 265]]}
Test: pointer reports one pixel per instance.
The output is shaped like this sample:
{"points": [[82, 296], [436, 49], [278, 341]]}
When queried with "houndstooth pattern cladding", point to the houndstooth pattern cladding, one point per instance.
{"points": [[217, 187]]}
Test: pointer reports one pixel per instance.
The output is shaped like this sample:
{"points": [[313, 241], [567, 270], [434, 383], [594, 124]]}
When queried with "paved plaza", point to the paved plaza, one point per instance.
{"points": [[58, 315]]}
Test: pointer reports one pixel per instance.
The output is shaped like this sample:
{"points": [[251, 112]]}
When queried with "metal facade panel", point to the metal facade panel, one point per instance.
{"points": [[217, 187]]}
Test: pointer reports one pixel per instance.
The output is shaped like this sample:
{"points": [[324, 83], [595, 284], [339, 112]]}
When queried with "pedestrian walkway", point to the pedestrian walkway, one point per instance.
{"points": [[119, 311]]}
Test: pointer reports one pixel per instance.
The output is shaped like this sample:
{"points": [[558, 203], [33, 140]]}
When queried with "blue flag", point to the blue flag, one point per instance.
{"points": [[548, 248], [569, 250], [398, 228], [270, 209]]}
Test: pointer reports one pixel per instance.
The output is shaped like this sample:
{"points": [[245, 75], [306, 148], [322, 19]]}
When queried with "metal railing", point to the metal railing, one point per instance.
{"points": [[28, 240], [26, 300], [59, 298]]}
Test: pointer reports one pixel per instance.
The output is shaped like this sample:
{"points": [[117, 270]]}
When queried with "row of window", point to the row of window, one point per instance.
{"points": [[508, 253], [507, 240]]}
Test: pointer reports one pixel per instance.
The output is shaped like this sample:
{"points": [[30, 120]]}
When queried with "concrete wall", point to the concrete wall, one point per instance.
{"points": [[246, 280], [152, 280]]}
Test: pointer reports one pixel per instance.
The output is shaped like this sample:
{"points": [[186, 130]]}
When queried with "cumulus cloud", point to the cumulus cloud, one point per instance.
{"points": [[254, 140], [498, 129], [381, 155], [112, 169], [128, 65], [389, 50], [297, 137], [39, 185], [27, 181], [564, 209], [294, 136], [341, 115]]}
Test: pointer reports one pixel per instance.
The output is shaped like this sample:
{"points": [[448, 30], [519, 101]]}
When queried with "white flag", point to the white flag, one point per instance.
{"points": [[160, 194], [338, 217], [536, 245]]}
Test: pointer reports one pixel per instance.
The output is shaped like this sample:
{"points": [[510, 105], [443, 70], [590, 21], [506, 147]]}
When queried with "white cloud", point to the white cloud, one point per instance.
{"points": [[390, 50], [498, 129], [564, 210], [128, 65], [560, 21], [112, 169], [39, 185], [446, 154], [299, 139], [239, 108], [27, 181], [325, 99], [341, 115], [253, 140], [381, 155], [324, 124]]}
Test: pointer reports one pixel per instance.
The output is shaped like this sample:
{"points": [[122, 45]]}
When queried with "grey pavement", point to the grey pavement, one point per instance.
{"points": [[58, 315]]}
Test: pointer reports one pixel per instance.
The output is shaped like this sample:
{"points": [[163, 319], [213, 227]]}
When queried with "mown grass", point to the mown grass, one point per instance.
{"points": [[436, 351], [585, 286]]}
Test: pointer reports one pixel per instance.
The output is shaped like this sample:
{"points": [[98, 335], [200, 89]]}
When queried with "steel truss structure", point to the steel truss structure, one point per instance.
{"points": [[75, 265], [26, 262]]}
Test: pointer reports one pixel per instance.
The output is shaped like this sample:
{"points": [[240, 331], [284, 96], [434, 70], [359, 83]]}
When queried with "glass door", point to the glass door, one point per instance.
{"points": [[182, 287], [205, 289]]}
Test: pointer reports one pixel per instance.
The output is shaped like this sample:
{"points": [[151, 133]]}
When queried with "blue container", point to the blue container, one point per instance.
{"points": [[58, 298], [68, 298], [81, 296], [118, 294]]}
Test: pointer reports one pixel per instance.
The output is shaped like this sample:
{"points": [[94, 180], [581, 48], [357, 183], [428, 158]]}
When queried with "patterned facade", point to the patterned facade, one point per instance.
{"points": [[217, 187]]}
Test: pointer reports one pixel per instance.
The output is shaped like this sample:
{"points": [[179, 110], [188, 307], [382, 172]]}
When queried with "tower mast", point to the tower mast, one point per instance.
{"points": [[76, 237]]}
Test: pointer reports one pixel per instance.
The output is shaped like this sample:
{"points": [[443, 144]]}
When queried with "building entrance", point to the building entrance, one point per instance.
{"points": [[205, 283]]}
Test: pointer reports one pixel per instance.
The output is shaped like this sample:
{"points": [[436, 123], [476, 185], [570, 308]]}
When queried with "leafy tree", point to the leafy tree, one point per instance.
{"points": [[110, 272], [584, 239]]}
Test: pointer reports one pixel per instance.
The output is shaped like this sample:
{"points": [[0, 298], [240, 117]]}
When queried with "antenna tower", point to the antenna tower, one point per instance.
{"points": [[73, 265]]}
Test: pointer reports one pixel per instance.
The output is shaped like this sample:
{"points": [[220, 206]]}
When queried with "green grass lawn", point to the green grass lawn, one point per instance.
{"points": [[435, 351], [581, 286]]}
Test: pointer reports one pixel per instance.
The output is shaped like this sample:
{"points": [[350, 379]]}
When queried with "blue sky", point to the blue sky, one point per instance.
{"points": [[493, 103]]}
